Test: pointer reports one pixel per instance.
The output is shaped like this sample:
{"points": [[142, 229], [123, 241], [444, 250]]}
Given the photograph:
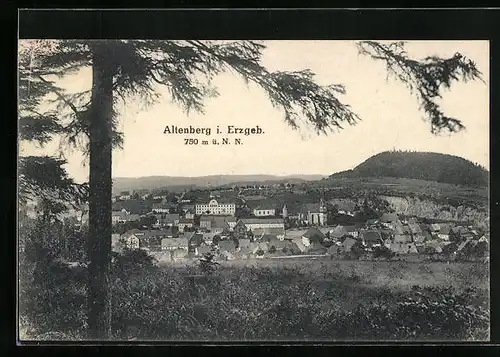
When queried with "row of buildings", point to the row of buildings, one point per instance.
{"points": [[268, 235]]}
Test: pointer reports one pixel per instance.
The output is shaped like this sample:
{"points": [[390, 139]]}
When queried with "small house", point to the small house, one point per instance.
{"points": [[185, 223], [402, 238], [297, 246], [334, 250], [313, 235], [414, 229], [444, 232], [174, 244], [371, 239], [338, 232], [179, 254], [434, 228], [348, 243], [195, 239], [389, 220]]}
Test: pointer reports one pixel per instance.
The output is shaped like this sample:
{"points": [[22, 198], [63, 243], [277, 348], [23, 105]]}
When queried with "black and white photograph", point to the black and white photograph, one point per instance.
{"points": [[253, 190]]}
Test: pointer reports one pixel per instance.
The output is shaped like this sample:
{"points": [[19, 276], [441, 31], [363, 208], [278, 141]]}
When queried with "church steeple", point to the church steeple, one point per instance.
{"points": [[322, 206], [285, 212]]}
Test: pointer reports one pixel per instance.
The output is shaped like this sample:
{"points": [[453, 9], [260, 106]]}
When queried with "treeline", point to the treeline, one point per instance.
{"points": [[420, 165]]}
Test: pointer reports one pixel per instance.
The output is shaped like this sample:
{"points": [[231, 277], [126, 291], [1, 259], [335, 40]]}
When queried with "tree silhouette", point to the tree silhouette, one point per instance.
{"points": [[122, 69], [42, 178], [424, 78]]}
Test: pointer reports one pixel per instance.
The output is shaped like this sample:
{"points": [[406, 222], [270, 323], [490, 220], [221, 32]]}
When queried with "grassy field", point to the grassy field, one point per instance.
{"points": [[271, 299], [400, 275]]}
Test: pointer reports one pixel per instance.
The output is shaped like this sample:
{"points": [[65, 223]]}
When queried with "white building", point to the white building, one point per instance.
{"points": [[215, 208], [264, 211], [123, 216], [265, 226]]}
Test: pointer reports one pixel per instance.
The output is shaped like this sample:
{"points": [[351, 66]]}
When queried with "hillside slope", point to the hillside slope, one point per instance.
{"points": [[154, 182], [420, 165]]}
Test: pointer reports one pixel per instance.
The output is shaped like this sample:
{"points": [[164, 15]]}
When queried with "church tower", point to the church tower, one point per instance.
{"points": [[285, 212], [322, 212], [322, 206]]}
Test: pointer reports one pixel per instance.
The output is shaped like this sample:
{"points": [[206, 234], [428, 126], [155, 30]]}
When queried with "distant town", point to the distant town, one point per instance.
{"points": [[243, 222]]}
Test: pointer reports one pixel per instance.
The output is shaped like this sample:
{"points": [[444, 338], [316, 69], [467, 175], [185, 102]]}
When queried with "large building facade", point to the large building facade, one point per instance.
{"points": [[215, 208]]}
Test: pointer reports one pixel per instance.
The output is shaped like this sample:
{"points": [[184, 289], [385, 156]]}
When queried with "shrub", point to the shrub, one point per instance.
{"points": [[432, 313], [132, 261], [207, 263], [383, 252]]}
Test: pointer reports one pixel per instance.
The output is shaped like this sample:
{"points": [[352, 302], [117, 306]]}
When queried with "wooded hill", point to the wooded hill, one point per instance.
{"points": [[420, 165]]}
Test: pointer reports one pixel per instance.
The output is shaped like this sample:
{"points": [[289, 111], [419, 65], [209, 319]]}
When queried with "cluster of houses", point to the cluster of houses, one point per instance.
{"points": [[409, 236], [185, 229], [259, 237]]}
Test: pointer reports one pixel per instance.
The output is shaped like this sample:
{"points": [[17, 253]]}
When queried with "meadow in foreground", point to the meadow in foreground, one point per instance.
{"points": [[267, 300]]}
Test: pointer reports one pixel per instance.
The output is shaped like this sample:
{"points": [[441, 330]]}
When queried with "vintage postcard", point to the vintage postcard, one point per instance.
{"points": [[253, 190]]}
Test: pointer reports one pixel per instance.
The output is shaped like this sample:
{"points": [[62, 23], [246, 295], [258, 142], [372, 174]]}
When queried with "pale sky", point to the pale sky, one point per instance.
{"points": [[389, 113]]}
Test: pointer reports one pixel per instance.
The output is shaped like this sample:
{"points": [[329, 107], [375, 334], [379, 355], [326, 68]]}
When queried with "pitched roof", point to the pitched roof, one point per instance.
{"points": [[435, 227], [348, 243], [459, 230], [371, 236], [268, 231], [406, 230], [133, 206], [264, 246], [174, 242], [195, 240], [424, 227], [219, 221], [314, 234], [334, 249], [290, 234], [172, 217], [299, 245], [338, 231], [317, 248], [445, 229], [415, 228], [262, 220], [209, 235], [351, 229], [325, 230], [389, 217], [402, 238], [412, 220]]}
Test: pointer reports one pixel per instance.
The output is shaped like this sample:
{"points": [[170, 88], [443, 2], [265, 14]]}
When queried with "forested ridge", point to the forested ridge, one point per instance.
{"points": [[420, 165]]}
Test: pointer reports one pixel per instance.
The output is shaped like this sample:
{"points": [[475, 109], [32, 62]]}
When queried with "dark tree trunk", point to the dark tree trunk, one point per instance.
{"points": [[100, 130]]}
